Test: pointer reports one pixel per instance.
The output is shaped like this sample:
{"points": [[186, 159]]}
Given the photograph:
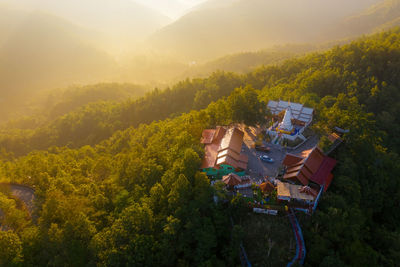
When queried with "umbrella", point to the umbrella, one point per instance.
{"points": [[231, 179]]}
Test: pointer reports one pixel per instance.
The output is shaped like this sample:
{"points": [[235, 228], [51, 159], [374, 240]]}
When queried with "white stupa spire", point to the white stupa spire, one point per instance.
{"points": [[286, 123]]}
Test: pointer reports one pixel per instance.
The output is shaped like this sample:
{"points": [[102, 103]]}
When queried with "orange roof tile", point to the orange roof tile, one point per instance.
{"points": [[228, 152], [224, 148], [244, 158], [210, 156], [267, 187], [314, 166], [233, 139], [231, 179], [207, 136], [291, 159]]}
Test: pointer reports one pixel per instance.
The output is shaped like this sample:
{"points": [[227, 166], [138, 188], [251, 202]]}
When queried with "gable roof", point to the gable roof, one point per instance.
{"points": [[311, 165], [267, 187], [322, 174], [225, 148], [291, 159], [207, 136], [232, 140], [299, 111], [231, 179]]}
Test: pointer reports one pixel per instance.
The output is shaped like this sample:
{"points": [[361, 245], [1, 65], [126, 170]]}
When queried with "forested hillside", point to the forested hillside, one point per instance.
{"points": [[98, 120], [383, 15], [50, 105], [247, 61], [44, 52], [134, 197]]}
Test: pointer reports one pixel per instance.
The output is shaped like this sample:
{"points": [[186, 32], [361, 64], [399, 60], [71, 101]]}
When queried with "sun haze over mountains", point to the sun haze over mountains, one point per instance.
{"points": [[199, 133], [46, 44]]}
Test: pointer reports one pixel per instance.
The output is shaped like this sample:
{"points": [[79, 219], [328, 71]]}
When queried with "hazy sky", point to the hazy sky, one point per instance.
{"points": [[171, 8]]}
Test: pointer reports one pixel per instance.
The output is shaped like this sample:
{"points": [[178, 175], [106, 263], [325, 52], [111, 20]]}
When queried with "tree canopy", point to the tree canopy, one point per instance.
{"points": [[118, 184]]}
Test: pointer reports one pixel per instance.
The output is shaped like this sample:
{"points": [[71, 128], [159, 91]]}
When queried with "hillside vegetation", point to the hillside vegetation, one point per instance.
{"points": [[383, 15], [136, 198]]}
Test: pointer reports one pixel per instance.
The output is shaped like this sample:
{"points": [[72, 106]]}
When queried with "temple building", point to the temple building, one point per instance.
{"points": [[223, 152], [296, 118], [310, 168]]}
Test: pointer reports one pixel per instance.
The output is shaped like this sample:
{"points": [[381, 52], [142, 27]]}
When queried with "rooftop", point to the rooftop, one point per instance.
{"points": [[223, 146], [286, 190], [311, 165], [299, 112]]}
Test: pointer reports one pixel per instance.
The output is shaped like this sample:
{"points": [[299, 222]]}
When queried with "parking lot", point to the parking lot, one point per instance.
{"points": [[257, 168]]}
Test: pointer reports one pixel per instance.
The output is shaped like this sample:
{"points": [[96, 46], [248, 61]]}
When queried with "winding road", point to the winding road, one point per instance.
{"points": [[25, 193]]}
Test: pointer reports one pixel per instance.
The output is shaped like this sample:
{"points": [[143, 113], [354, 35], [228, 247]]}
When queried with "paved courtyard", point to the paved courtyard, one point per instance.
{"points": [[258, 169]]}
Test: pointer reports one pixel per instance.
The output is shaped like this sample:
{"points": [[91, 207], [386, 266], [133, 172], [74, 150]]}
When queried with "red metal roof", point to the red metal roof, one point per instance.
{"points": [[328, 181], [231, 179], [230, 153], [227, 161], [314, 160], [314, 166], [207, 136], [233, 140], [210, 156], [223, 147], [219, 134], [291, 159], [305, 153], [321, 176], [242, 165], [244, 158]]}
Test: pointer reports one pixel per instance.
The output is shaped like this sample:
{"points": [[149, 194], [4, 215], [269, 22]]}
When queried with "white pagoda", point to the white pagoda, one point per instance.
{"points": [[296, 119], [286, 124]]}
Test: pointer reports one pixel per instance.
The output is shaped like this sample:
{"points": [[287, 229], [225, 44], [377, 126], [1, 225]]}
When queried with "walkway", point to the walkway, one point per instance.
{"points": [[310, 143], [298, 234]]}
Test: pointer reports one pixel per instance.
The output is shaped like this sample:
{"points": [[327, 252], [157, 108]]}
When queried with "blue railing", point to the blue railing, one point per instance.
{"points": [[244, 258], [297, 241], [303, 256], [318, 198], [298, 234]]}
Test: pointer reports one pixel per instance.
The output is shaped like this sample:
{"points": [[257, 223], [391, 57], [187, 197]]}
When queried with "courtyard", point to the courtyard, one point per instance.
{"points": [[258, 169]]}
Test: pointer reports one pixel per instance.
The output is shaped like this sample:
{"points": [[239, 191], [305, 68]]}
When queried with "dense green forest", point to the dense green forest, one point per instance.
{"points": [[118, 184], [89, 124]]}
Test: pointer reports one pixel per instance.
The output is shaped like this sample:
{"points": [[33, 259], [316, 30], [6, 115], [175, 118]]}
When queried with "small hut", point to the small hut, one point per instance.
{"points": [[231, 179], [267, 187]]}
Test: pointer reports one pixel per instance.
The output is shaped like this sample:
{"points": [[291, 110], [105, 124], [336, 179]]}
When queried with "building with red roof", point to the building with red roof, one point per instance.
{"points": [[310, 166], [223, 152]]}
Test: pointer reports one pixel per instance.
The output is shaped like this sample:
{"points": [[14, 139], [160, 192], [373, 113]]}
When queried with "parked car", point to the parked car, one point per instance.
{"points": [[266, 159], [263, 148]]}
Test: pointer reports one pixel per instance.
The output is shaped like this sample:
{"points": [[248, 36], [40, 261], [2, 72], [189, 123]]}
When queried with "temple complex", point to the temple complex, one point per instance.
{"points": [[289, 120]]}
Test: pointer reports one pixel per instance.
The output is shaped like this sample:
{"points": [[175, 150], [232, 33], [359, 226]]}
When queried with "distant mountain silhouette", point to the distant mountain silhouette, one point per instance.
{"points": [[383, 15], [220, 27], [121, 21], [46, 51]]}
